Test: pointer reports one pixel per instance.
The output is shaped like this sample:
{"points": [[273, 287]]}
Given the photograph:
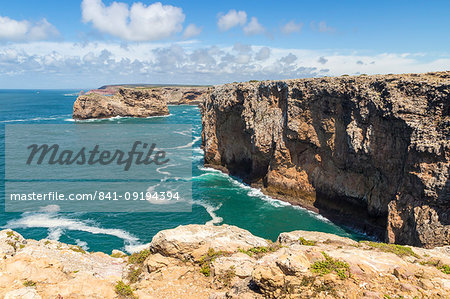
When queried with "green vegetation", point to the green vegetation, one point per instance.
{"points": [[21, 246], [206, 270], [29, 283], [124, 290], [329, 265], [227, 277], [47, 242], [253, 81], [10, 234], [133, 275], [118, 255], [208, 258], [394, 248], [139, 257], [77, 249], [306, 242], [438, 265], [261, 250]]}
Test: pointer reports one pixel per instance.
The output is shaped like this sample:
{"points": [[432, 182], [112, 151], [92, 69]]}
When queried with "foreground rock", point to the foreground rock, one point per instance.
{"points": [[198, 261], [374, 150], [125, 102]]}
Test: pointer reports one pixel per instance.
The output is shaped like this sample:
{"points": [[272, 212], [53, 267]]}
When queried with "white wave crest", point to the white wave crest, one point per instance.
{"points": [[57, 225]]}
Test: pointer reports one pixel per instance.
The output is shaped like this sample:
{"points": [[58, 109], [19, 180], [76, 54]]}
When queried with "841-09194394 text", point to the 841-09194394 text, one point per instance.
{"points": [[97, 195]]}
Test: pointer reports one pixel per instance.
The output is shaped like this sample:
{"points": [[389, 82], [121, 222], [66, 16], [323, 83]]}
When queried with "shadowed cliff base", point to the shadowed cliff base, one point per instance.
{"points": [[373, 150]]}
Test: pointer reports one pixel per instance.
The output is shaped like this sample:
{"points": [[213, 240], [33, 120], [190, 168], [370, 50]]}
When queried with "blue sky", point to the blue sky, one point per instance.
{"points": [[86, 43]]}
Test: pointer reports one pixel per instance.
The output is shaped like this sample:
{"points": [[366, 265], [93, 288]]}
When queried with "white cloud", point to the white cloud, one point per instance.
{"points": [[63, 64], [232, 19], [138, 23], [322, 60], [254, 27], [322, 27], [13, 30], [263, 54], [191, 31], [291, 27]]}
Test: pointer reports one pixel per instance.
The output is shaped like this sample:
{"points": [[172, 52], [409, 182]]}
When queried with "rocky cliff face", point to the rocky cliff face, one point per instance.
{"points": [[200, 261], [125, 102], [111, 101], [374, 150]]}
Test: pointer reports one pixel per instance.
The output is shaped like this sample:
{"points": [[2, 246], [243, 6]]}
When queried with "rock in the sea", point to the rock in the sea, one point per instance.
{"points": [[372, 151], [125, 102]]}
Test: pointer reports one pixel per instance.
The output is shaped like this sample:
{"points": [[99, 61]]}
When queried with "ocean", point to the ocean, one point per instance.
{"points": [[216, 197]]}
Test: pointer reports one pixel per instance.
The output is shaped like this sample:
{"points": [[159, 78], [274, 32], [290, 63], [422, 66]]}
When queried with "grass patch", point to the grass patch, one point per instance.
{"points": [[139, 257], [227, 277], [399, 250], [305, 242], [438, 265], [341, 268], [208, 258], [118, 255], [10, 234], [29, 283], [261, 250], [253, 81], [133, 275], [47, 242], [77, 249], [124, 290]]}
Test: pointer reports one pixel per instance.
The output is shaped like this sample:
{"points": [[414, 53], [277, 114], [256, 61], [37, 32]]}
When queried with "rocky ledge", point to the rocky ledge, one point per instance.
{"points": [[370, 151], [201, 261], [112, 101]]}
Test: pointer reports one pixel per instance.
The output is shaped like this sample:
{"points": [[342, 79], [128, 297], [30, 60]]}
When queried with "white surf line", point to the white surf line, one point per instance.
{"points": [[55, 224], [115, 118], [255, 192], [34, 119]]}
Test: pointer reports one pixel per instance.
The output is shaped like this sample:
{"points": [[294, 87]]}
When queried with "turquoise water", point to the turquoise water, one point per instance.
{"points": [[217, 198]]}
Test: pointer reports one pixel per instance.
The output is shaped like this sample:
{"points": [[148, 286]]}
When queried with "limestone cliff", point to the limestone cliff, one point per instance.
{"points": [[201, 261], [374, 150], [125, 102], [136, 101]]}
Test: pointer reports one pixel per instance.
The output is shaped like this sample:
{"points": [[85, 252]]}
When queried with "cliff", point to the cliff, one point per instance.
{"points": [[201, 261], [370, 151], [125, 102], [137, 101]]}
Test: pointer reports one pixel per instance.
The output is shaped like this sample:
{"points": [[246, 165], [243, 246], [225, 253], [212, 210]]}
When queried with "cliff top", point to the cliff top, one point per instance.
{"points": [[201, 261]]}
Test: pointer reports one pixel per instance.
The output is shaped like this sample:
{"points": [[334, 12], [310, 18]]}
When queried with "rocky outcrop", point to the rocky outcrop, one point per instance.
{"points": [[198, 261], [111, 101], [183, 95], [125, 102], [370, 150]]}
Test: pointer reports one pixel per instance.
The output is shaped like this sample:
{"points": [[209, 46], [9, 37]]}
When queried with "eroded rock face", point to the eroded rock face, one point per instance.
{"points": [[110, 101], [372, 149], [125, 102]]}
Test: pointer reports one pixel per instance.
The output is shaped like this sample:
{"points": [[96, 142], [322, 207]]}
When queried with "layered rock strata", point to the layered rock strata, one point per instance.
{"points": [[125, 102], [111, 101], [198, 261], [372, 150]]}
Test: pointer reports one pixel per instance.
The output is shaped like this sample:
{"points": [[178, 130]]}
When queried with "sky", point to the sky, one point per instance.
{"points": [[84, 44]]}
